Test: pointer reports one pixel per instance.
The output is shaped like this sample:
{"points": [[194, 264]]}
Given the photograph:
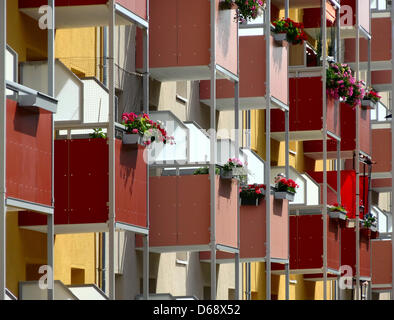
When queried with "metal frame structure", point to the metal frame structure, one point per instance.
{"points": [[392, 152]]}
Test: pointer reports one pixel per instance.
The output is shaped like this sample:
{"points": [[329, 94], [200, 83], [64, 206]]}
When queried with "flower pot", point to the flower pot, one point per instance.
{"points": [[246, 201], [235, 173], [368, 104], [373, 228], [350, 223], [337, 215], [284, 195], [280, 37], [132, 139], [366, 232], [223, 5]]}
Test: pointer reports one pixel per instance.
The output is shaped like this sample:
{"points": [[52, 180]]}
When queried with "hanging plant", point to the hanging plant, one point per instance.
{"points": [[294, 31], [339, 81], [247, 9], [372, 95]]}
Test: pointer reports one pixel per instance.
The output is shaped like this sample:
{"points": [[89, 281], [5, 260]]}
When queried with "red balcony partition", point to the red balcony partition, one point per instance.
{"points": [[349, 17], [314, 149], [348, 189], [85, 13], [81, 187], [253, 234], [312, 16], [348, 251], [381, 264], [180, 213], [252, 71], [29, 154], [306, 111], [180, 40], [306, 245], [381, 155]]}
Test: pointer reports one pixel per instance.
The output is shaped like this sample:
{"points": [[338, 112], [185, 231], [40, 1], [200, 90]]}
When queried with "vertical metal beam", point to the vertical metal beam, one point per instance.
{"points": [[236, 120], [324, 106], [357, 160], [212, 166], [392, 151], [287, 170], [111, 146], [268, 149], [3, 105], [51, 92], [146, 110], [338, 58]]}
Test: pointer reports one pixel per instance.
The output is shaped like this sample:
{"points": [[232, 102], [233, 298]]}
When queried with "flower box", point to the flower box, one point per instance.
{"points": [[350, 223], [373, 228], [280, 37], [234, 173], [252, 201], [284, 195], [368, 104], [132, 139], [337, 215], [366, 231]]}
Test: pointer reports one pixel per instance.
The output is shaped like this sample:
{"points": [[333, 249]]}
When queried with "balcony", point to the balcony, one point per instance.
{"points": [[88, 13], [306, 109], [381, 262], [179, 40], [312, 18], [252, 71], [348, 252], [349, 18], [253, 237], [29, 144], [314, 149], [82, 187]]}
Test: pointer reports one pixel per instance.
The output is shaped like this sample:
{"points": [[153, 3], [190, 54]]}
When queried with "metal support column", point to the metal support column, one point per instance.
{"points": [[111, 146], [236, 120], [338, 58], [268, 150], [212, 166], [287, 171], [357, 161], [3, 104], [324, 210], [392, 151], [146, 110], [51, 92]]}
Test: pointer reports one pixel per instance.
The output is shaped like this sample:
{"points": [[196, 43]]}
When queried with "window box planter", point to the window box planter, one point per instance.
{"points": [[280, 38], [368, 104], [337, 215], [251, 201], [235, 173], [366, 231], [285, 195], [132, 139], [373, 228], [350, 223]]}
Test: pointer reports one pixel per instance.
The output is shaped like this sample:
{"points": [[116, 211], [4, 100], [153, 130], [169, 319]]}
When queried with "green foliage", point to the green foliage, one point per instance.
{"points": [[98, 134]]}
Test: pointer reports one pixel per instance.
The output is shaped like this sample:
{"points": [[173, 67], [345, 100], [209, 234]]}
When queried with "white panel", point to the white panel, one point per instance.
{"points": [[68, 88], [382, 219], [96, 102], [312, 191], [174, 127], [199, 142], [255, 167], [10, 66], [32, 291], [87, 293]]}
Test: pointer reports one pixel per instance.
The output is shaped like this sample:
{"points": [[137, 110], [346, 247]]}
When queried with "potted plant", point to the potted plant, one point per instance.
{"points": [[371, 98], [142, 130], [356, 94], [337, 211], [234, 168], [370, 223], [287, 29], [205, 170], [98, 134], [247, 9], [285, 189], [339, 81], [252, 194]]}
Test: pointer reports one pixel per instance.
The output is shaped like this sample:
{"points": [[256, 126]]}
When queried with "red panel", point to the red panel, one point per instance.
{"points": [[62, 181], [348, 251], [59, 3], [306, 245], [312, 16], [381, 262], [381, 77], [163, 34], [130, 185], [381, 183], [88, 181], [136, 6], [29, 154]]}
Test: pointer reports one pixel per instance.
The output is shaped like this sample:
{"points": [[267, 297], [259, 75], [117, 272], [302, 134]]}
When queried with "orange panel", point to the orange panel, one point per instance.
{"points": [[381, 150], [381, 262], [279, 229], [180, 211], [279, 75]]}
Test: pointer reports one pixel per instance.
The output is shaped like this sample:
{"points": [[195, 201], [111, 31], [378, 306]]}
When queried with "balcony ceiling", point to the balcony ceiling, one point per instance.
{"points": [[297, 3]]}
